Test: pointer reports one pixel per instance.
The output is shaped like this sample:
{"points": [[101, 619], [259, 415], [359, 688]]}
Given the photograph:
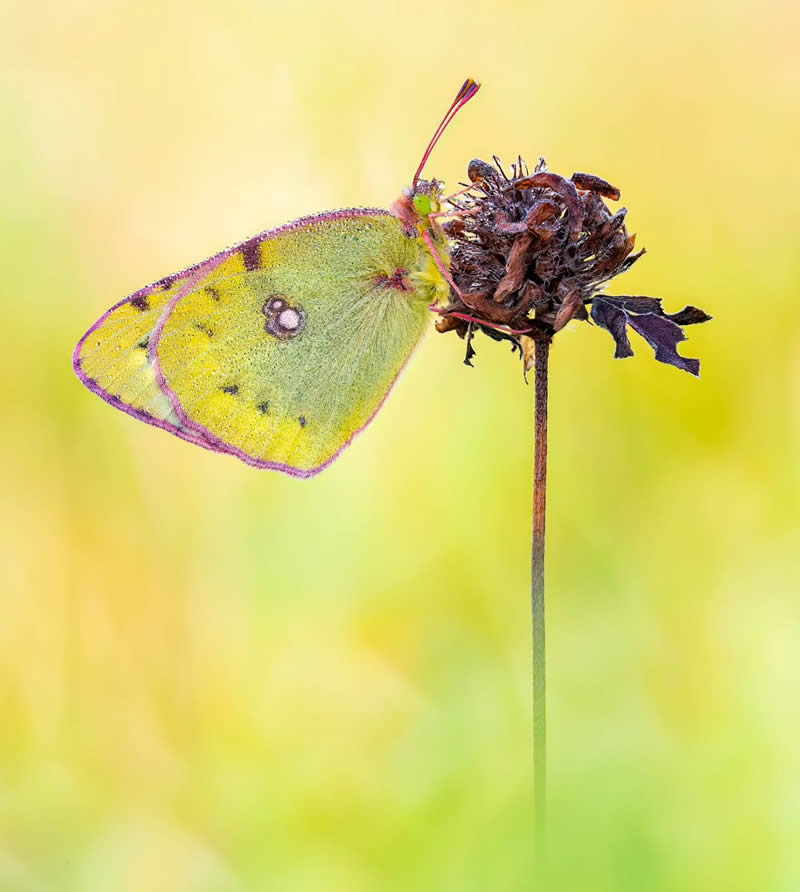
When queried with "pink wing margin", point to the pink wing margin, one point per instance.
{"points": [[191, 430]]}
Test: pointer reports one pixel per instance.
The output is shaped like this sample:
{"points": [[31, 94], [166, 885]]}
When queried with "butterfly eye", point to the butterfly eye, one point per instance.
{"points": [[423, 204]]}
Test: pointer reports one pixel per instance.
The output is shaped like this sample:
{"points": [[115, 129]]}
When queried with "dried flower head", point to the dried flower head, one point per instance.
{"points": [[530, 252]]}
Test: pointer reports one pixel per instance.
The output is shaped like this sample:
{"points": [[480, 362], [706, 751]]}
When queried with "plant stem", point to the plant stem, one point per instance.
{"points": [[542, 353]]}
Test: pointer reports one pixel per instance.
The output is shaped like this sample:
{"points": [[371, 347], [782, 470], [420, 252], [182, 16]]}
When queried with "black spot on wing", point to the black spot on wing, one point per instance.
{"points": [[232, 389], [141, 303], [302, 420], [263, 408], [251, 254]]}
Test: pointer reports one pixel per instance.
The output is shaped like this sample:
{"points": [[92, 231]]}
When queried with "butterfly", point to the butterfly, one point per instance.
{"points": [[280, 350]]}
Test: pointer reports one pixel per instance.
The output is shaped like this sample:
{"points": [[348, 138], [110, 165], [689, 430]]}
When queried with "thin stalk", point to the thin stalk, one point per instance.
{"points": [[542, 354]]}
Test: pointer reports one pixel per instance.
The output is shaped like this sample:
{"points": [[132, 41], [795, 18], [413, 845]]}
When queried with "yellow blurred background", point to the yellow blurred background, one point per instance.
{"points": [[214, 678]]}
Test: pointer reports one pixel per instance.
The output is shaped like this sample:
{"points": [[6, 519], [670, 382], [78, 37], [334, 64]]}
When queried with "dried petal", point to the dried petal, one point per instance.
{"points": [[689, 316], [481, 170], [528, 346], [571, 308], [516, 268], [591, 183], [448, 323], [562, 187]]}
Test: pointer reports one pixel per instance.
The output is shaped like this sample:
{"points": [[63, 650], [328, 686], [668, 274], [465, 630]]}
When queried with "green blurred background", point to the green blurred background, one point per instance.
{"points": [[217, 679]]}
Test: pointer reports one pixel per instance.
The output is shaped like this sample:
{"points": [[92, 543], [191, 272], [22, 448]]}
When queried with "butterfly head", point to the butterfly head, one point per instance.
{"points": [[418, 205]]}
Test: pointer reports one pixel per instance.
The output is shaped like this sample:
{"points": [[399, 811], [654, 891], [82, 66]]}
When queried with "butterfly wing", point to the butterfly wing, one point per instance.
{"points": [[278, 351]]}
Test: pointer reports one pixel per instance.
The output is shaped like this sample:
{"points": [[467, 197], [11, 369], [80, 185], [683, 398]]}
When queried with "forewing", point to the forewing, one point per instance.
{"points": [[284, 363]]}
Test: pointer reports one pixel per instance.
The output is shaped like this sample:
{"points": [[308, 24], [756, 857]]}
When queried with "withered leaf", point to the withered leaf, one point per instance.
{"points": [[644, 315], [641, 304], [614, 319], [664, 335]]}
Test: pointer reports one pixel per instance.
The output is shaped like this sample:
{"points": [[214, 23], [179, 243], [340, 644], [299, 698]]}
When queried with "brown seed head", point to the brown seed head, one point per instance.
{"points": [[532, 251]]}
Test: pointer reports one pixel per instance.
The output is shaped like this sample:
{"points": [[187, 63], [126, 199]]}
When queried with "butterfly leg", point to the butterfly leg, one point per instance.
{"points": [[450, 198], [438, 261]]}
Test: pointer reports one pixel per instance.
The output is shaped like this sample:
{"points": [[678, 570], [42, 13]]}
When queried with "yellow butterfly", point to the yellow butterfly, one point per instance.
{"points": [[281, 349]]}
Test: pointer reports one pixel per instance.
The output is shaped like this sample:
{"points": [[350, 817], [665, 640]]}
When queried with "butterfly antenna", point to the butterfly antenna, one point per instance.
{"points": [[468, 89]]}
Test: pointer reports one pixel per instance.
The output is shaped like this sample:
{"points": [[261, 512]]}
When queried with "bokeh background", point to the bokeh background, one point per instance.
{"points": [[214, 679]]}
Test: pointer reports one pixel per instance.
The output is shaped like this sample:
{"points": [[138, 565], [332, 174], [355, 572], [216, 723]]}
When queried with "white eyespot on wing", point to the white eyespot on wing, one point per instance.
{"points": [[289, 319]]}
